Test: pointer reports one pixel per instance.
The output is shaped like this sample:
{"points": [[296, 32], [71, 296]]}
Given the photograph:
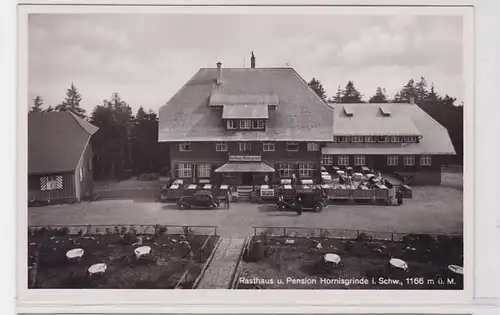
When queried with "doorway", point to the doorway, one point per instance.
{"points": [[247, 179]]}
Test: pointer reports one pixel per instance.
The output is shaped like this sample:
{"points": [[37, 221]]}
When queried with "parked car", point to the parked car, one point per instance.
{"points": [[200, 199], [306, 199]]}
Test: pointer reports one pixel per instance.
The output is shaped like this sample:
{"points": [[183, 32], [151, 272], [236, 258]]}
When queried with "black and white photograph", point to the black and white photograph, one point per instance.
{"points": [[248, 151]]}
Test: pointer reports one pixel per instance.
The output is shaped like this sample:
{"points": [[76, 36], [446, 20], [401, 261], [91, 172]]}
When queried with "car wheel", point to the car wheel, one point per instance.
{"points": [[318, 207]]}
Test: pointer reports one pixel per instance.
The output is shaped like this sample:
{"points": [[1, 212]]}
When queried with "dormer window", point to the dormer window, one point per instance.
{"points": [[395, 139], [258, 124], [245, 124], [232, 124], [292, 146], [409, 139], [185, 147]]}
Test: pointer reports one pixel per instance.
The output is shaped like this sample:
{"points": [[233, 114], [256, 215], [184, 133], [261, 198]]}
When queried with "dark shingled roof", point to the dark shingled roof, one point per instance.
{"points": [[56, 141], [301, 114]]}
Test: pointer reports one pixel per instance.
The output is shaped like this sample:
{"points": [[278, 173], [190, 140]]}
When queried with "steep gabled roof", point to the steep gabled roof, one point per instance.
{"points": [[56, 141], [404, 120], [300, 116]]}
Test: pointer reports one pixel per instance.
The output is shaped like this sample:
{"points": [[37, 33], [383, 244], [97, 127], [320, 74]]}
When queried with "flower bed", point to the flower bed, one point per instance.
{"points": [[280, 262], [172, 257]]}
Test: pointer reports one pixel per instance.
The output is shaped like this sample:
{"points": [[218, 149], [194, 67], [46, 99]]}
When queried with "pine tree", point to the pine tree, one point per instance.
{"points": [[318, 88], [49, 109], [351, 94], [379, 97], [72, 102], [37, 105], [338, 96]]}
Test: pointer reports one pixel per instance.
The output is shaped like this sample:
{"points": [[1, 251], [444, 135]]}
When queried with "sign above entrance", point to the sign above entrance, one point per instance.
{"points": [[245, 158]]}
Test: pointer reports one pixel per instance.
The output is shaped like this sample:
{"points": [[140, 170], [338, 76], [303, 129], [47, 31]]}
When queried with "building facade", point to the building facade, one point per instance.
{"points": [[242, 126], [59, 157]]}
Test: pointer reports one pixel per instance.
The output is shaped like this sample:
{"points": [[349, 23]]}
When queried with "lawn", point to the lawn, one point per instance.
{"points": [[172, 256], [278, 262]]}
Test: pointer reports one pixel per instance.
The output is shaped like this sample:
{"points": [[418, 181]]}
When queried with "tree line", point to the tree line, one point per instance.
{"points": [[442, 108], [125, 144]]}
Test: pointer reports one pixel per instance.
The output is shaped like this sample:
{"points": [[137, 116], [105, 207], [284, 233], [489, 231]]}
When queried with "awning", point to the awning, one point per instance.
{"points": [[247, 111], [245, 168]]}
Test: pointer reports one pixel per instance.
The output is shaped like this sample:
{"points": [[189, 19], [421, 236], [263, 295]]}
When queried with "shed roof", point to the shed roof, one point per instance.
{"points": [[302, 115], [247, 167], [245, 112], [56, 141]]}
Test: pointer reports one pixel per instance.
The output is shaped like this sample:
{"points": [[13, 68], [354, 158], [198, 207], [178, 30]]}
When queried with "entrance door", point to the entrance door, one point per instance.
{"points": [[247, 179]]}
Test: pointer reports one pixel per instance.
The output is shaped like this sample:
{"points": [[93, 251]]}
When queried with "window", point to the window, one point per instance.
{"points": [[384, 139], [245, 146], [306, 170], [409, 160], [268, 147], [359, 160], [409, 139], [335, 139], [231, 124], [271, 107], [369, 139], [357, 139], [343, 160], [204, 170], [221, 147], [51, 183], [245, 124], [395, 139], [312, 146], [285, 170], [292, 146], [185, 147], [392, 160], [425, 160], [258, 124], [327, 160], [81, 174], [344, 139], [184, 170]]}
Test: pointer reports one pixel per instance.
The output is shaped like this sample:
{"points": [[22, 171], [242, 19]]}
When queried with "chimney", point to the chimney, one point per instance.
{"points": [[219, 72], [252, 61]]}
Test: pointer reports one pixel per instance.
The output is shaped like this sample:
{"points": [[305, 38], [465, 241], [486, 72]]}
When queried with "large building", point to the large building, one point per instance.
{"points": [[59, 157], [238, 125]]}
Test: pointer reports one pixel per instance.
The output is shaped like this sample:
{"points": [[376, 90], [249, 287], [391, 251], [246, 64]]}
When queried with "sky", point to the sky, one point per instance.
{"points": [[147, 58]]}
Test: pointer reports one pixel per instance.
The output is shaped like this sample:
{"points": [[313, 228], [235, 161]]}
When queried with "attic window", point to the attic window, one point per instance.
{"points": [[385, 110], [348, 111]]}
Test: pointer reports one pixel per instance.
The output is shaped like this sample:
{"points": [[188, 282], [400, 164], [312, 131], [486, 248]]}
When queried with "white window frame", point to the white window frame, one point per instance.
{"points": [[81, 174], [306, 170], [185, 147], [409, 139], [184, 170], [425, 160], [327, 159], [392, 160], [395, 139], [245, 124], [292, 143], [369, 139], [52, 182], [245, 146], [285, 170], [204, 170], [359, 160], [221, 147], [335, 139], [357, 139], [268, 147], [343, 160], [344, 139], [409, 160], [258, 124], [232, 124], [312, 146]]}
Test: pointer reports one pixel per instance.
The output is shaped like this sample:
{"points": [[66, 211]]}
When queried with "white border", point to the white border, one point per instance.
{"points": [[203, 301]]}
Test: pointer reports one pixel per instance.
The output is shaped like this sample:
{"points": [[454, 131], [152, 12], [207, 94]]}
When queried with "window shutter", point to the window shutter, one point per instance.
{"points": [[59, 184], [176, 170], [43, 183]]}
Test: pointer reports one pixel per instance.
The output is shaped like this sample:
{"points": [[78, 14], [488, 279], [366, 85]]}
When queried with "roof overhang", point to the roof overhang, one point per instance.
{"points": [[380, 149], [232, 167]]}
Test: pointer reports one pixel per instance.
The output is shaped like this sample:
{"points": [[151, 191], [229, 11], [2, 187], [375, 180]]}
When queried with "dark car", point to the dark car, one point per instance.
{"points": [[304, 199], [200, 199]]}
